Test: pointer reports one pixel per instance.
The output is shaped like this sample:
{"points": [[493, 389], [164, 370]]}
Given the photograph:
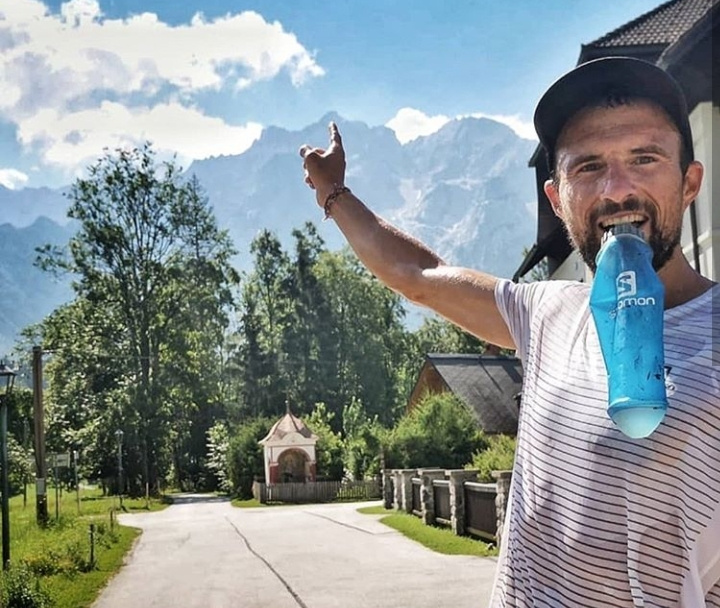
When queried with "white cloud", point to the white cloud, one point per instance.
{"points": [[410, 124], [68, 140], [84, 52], [12, 178], [74, 80], [78, 12]]}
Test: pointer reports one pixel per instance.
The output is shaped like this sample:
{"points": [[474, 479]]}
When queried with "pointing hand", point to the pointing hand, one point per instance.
{"points": [[324, 169]]}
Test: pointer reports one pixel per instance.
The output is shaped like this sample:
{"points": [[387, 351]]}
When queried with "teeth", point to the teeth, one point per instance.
{"points": [[625, 219]]}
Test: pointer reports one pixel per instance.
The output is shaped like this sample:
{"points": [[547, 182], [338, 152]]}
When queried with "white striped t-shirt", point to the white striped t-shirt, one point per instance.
{"points": [[598, 520]]}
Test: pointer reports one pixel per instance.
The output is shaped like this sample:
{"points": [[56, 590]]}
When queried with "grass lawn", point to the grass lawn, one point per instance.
{"points": [[441, 540], [249, 503], [59, 555]]}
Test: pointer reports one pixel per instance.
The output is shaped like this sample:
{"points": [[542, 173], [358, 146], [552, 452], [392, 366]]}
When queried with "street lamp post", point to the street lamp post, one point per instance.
{"points": [[7, 377], [119, 437]]}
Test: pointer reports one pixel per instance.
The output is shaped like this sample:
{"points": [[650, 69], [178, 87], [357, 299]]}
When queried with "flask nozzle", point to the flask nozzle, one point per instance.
{"points": [[627, 228]]}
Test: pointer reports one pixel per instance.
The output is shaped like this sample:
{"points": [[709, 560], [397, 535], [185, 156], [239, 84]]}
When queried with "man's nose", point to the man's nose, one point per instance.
{"points": [[618, 183]]}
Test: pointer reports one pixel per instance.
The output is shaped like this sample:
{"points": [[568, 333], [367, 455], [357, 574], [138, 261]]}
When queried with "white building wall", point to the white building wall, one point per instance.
{"points": [[573, 269], [705, 124]]}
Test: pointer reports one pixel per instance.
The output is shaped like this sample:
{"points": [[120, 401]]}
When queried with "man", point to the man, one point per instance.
{"points": [[596, 520]]}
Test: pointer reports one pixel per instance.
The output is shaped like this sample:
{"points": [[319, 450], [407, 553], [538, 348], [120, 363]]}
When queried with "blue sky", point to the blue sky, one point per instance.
{"points": [[201, 79]]}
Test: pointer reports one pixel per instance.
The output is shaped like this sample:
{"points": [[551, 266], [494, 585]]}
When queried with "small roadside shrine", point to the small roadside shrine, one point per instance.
{"points": [[289, 451]]}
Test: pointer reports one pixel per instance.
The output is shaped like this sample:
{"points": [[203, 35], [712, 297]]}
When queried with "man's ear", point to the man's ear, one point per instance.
{"points": [[553, 195], [692, 182]]}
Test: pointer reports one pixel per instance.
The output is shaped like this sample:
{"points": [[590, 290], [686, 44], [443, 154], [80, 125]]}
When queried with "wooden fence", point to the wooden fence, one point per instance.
{"points": [[416, 502], [441, 496], [317, 491], [480, 509]]}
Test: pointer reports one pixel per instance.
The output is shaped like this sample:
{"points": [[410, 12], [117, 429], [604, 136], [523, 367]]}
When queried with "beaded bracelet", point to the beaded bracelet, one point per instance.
{"points": [[336, 192]]}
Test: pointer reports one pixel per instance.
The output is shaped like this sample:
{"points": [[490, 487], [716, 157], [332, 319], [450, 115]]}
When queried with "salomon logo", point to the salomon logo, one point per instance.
{"points": [[625, 302], [626, 284]]}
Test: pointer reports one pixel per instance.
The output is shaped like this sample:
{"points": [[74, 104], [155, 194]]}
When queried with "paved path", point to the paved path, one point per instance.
{"points": [[203, 553]]}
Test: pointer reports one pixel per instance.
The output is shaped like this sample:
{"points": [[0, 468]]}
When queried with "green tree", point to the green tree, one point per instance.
{"points": [[362, 437], [317, 327], [21, 435], [369, 340], [308, 335], [328, 448], [152, 282], [437, 335], [87, 385], [263, 318]]}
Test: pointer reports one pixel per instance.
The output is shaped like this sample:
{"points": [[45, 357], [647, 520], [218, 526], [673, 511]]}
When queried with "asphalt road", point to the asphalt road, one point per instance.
{"points": [[203, 553]]}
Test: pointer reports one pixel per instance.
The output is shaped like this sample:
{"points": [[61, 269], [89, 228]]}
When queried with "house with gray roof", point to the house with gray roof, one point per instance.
{"points": [[489, 385], [677, 36]]}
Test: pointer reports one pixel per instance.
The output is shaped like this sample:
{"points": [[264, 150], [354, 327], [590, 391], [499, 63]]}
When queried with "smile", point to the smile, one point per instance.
{"points": [[627, 218]]}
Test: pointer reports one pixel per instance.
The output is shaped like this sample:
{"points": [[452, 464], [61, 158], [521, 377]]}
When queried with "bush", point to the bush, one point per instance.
{"points": [[329, 448], [43, 563], [218, 444], [21, 589], [439, 432], [245, 455], [361, 444], [499, 455]]}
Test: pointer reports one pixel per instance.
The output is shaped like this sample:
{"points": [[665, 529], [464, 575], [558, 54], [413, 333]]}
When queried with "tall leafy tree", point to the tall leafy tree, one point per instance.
{"points": [[317, 327], [150, 260], [264, 315], [369, 339], [436, 335], [87, 400], [308, 338]]}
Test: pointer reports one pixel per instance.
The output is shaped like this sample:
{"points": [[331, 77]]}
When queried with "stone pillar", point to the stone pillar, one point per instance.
{"points": [[406, 476], [387, 488], [397, 490], [502, 481], [457, 497], [427, 496]]}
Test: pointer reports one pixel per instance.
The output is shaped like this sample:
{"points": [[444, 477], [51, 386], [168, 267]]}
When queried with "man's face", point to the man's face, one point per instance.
{"points": [[618, 165]]}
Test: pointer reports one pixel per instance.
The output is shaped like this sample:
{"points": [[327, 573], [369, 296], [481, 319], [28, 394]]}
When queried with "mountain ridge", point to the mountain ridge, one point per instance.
{"points": [[465, 190]]}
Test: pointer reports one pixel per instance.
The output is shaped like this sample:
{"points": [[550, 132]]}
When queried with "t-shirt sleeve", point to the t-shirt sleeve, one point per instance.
{"points": [[518, 303]]}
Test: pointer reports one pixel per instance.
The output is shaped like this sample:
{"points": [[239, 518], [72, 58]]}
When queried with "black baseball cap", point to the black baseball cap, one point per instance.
{"points": [[590, 82]]}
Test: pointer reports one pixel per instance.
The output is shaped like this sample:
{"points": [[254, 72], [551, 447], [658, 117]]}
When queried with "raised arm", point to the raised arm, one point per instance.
{"points": [[463, 296]]}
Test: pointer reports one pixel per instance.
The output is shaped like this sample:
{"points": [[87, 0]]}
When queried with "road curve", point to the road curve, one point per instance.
{"points": [[203, 553]]}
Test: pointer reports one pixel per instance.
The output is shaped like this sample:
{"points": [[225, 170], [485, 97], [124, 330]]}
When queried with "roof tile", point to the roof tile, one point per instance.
{"points": [[661, 26]]}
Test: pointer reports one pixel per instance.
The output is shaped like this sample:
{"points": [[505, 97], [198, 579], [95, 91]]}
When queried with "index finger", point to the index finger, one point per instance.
{"points": [[335, 134]]}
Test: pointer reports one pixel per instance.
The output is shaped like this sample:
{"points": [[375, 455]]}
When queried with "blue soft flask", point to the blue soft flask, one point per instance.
{"points": [[627, 303]]}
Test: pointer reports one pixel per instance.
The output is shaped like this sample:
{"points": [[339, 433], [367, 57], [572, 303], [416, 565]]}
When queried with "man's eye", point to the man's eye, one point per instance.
{"points": [[644, 160], [589, 167]]}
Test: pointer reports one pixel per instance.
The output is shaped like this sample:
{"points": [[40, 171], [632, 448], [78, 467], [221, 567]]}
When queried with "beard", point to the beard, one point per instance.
{"points": [[662, 242]]}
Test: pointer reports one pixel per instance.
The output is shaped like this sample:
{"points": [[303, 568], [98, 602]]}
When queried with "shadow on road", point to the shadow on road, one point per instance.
{"points": [[185, 499]]}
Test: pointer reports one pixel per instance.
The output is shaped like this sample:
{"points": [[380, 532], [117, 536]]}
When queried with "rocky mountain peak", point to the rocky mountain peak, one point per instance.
{"points": [[465, 190]]}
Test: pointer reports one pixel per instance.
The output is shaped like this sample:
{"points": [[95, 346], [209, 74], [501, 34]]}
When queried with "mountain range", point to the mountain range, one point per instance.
{"points": [[465, 190]]}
